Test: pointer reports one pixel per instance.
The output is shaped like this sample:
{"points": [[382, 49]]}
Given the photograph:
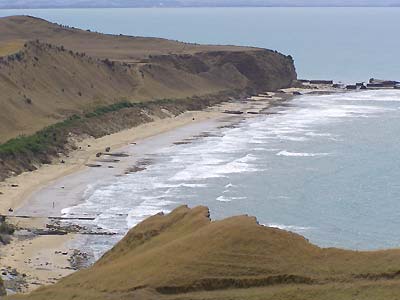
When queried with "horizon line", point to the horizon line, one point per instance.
{"points": [[205, 6]]}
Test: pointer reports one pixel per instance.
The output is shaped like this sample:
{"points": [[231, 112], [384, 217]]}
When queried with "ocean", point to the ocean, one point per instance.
{"points": [[346, 44], [324, 166]]}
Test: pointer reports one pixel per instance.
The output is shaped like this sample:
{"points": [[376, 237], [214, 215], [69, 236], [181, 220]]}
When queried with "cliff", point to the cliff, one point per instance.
{"points": [[43, 83], [52, 74], [185, 255]]}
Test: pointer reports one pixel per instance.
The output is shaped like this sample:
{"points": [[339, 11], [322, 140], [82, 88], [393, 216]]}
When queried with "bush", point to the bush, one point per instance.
{"points": [[6, 228], [102, 110], [54, 136], [39, 142]]}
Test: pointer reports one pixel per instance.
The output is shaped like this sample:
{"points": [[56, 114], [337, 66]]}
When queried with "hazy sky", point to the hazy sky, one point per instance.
{"points": [[175, 3]]}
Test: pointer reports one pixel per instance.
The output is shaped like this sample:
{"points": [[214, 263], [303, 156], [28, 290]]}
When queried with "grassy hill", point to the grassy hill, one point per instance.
{"points": [[114, 47], [184, 255], [51, 73]]}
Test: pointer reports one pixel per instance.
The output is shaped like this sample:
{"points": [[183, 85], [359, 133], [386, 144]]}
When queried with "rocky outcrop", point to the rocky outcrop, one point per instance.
{"points": [[251, 70]]}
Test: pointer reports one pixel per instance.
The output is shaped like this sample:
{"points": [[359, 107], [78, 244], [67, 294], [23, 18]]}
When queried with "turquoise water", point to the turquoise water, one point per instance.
{"points": [[348, 44], [326, 167]]}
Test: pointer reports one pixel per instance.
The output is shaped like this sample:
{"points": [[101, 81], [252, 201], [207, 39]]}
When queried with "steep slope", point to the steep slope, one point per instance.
{"points": [[184, 255], [70, 71], [43, 84], [53, 79]]}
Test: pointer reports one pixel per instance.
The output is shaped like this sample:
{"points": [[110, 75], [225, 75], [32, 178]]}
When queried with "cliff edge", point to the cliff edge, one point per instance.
{"points": [[52, 77]]}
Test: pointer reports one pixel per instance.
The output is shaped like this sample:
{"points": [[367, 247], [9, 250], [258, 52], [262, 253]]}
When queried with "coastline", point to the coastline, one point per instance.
{"points": [[43, 193]]}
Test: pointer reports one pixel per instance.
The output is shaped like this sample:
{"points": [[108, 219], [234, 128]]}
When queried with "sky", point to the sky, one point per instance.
{"points": [[186, 3]]}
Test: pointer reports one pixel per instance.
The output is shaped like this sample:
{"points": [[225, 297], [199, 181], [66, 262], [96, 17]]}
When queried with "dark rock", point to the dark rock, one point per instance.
{"points": [[384, 83], [321, 81], [375, 85], [233, 112], [118, 154], [93, 165], [337, 86], [108, 160]]}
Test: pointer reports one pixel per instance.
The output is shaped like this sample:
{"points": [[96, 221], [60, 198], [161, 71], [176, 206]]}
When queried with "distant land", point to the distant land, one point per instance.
{"points": [[6, 4]]}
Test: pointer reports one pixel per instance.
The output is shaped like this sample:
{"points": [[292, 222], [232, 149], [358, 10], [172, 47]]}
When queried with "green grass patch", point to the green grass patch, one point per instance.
{"points": [[40, 141], [55, 135], [102, 110], [6, 228]]}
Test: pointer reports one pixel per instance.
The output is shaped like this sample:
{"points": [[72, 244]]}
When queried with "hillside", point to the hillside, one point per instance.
{"points": [[19, 29], [71, 70], [53, 77], [184, 255]]}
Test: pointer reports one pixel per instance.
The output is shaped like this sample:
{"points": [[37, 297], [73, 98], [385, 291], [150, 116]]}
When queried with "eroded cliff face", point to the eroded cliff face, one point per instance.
{"points": [[43, 83], [252, 70], [46, 84]]}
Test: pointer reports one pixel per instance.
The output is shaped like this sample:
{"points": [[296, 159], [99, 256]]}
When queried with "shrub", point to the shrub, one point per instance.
{"points": [[102, 110], [108, 62], [6, 228]]}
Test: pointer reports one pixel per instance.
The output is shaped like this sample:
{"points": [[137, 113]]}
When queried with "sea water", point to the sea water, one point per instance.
{"points": [[326, 167]]}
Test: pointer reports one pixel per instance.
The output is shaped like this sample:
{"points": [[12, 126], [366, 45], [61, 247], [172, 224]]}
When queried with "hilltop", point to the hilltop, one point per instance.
{"points": [[185, 255], [18, 29]]}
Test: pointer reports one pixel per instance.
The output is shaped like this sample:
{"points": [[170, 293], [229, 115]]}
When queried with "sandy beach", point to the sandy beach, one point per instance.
{"points": [[45, 192], [35, 196]]}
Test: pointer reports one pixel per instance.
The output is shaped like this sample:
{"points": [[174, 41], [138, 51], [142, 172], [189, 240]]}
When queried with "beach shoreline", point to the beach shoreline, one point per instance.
{"points": [[44, 193]]}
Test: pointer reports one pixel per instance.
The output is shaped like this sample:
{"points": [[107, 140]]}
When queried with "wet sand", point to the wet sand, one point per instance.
{"points": [[46, 192]]}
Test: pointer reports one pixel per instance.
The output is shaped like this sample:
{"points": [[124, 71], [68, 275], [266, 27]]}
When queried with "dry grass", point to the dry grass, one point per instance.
{"points": [[114, 47], [10, 47], [184, 255], [81, 70]]}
